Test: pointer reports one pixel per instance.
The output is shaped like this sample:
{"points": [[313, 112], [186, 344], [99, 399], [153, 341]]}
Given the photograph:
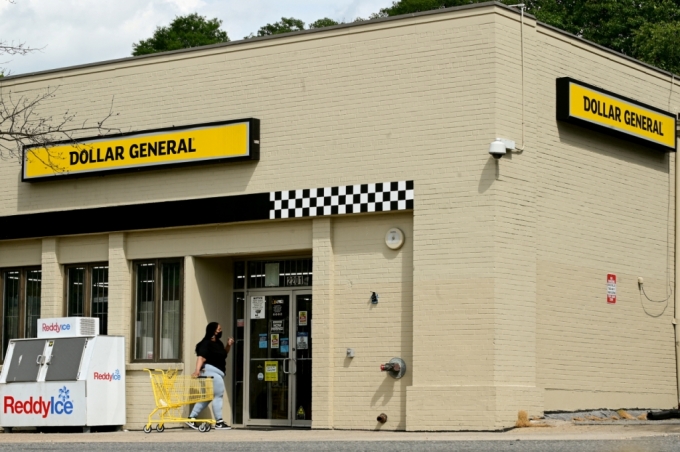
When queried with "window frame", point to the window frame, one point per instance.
{"points": [[23, 272], [158, 289], [248, 283], [87, 295]]}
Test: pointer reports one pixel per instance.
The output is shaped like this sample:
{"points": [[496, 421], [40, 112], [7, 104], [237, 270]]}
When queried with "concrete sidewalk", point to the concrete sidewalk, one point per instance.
{"points": [[557, 431]]}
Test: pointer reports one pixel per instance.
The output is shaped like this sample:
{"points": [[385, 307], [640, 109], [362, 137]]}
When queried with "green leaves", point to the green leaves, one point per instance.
{"points": [[417, 6], [325, 22], [285, 25], [648, 30], [658, 44], [183, 32], [289, 24], [644, 29]]}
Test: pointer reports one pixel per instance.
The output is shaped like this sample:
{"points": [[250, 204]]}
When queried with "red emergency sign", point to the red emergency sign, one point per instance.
{"points": [[611, 288]]}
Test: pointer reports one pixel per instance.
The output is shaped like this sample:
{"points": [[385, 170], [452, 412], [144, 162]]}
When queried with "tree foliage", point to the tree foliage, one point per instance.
{"points": [[643, 29], [417, 6], [285, 25], [290, 24], [659, 42], [182, 33], [321, 23]]}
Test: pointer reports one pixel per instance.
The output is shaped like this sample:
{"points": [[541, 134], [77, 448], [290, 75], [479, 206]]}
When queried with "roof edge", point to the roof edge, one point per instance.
{"points": [[335, 27], [258, 39], [608, 50]]}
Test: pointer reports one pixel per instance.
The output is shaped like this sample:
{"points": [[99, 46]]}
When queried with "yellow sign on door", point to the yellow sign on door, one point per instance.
{"points": [[271, 371]]}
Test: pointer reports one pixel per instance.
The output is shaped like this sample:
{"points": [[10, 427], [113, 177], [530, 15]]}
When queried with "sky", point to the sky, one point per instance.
{"points": [[71, 32]]}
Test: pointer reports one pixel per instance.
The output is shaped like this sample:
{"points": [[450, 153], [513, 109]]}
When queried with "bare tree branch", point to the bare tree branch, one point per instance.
{"points": [[12, 48], [21, 125]]}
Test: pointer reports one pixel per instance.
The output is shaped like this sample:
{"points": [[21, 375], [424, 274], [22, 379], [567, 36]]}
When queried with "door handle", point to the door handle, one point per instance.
{"points": [[288, 372], [37, 359]]}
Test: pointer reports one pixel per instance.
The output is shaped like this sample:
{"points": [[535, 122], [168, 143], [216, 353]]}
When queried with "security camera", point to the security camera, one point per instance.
{"points": [[497, 149]]}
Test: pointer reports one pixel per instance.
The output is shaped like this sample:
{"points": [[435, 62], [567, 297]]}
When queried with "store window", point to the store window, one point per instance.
{"points": [[273, 273], [20, 289], [87, 292], [158, 310]]}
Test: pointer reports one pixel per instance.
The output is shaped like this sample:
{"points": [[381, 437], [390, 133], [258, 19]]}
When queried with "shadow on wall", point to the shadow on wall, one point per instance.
{"points": [[490, 173], [608, 146], [139, 187], [385, 392], [363, 264], [214, 286], [382, 397]]}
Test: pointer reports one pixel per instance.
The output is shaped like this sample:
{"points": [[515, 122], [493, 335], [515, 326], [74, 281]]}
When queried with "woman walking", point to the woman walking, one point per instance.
{"points": [[212, 362]]}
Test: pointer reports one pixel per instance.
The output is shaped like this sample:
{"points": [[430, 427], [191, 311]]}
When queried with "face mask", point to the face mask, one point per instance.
{"points": [[218, 335]]}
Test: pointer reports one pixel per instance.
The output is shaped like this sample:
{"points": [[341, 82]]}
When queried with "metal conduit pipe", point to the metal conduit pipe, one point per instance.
{"points": [[676, 304]]}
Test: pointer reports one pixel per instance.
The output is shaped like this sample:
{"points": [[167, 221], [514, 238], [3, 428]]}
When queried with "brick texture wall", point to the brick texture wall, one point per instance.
{"points": [[504, 307]]}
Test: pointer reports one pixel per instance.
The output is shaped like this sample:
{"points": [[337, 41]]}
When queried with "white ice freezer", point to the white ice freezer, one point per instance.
{"points": [[68, 376]]}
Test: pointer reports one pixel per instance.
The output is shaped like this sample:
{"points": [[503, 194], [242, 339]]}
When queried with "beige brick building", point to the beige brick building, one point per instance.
{"points": [[497, 300]]}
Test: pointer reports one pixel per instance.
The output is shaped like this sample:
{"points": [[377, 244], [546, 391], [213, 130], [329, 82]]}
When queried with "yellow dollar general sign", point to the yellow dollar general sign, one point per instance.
{"points": [[177, 146], [597, 109]]}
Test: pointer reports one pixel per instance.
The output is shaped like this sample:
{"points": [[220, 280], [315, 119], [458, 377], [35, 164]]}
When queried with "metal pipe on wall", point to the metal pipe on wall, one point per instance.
{"points": [[676, 310]]}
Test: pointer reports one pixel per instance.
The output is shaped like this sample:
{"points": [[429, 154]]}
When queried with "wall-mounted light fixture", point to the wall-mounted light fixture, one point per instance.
{"points": [[394, 239]]}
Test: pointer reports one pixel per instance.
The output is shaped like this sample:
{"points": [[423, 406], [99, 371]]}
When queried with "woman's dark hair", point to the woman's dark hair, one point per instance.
{"points": [[209, 333]]}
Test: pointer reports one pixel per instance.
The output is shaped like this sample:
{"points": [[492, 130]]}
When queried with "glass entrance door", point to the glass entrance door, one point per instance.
{"points": [[302, 357], [268, 376], [278, 359]]}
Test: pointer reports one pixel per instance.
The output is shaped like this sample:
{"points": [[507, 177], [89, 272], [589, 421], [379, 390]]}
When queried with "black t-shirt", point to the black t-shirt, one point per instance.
{"points": [[214, 354]]}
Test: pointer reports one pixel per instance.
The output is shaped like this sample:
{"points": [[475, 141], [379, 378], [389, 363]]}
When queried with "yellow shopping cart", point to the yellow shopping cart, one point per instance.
{"points": [[173, 392]]}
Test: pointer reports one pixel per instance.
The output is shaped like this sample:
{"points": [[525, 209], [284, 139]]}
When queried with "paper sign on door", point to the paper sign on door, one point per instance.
{"points": [[257, 308], [302, 341], [302, 318], [275, 341], [277, 326], [271, 371]]}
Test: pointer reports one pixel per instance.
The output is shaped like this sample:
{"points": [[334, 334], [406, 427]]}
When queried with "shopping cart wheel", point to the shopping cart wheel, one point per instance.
{"points": [[147, 429], [160, 428], [203, 428]]}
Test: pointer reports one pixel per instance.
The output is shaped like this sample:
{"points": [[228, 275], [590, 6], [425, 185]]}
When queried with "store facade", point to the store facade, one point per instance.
{"points": [[330, 193]]}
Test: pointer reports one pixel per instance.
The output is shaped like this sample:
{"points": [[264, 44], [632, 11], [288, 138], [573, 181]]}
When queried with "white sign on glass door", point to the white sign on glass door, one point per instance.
{"points": [[257, 308]]}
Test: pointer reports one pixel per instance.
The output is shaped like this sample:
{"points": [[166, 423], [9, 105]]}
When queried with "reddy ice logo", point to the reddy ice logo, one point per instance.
{"points": [[115, 376], [40, 406], [55, 327]]}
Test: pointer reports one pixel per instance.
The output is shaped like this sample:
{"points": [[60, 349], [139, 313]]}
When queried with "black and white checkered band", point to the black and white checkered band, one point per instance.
{"points": [[315, 202]]}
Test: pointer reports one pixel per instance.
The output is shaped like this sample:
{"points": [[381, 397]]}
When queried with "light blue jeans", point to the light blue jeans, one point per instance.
{"points": [[218, 391]]}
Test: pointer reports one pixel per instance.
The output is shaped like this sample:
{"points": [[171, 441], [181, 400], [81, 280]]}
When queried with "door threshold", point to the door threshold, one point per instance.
{"points": [[270, 428]]}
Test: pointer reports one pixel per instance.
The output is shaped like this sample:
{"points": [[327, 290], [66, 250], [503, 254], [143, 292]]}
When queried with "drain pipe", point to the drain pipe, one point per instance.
{"points": [[676, 310]]}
